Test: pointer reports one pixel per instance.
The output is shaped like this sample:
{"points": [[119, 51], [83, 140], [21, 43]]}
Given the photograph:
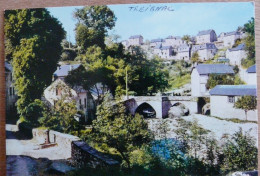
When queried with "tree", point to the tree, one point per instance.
{"points": [[240, 152], [186, 38], [250, 43], [246, 103], [114, 128], [216, 79], [195, 57], [249, 27], [33, 46], [93, 24]]}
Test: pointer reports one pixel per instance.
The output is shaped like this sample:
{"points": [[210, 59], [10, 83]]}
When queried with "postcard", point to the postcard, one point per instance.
{"points": [[133, 89]]}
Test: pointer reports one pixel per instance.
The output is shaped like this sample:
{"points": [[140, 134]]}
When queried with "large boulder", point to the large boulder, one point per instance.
{"points": [[245, 173], [178, 111]]}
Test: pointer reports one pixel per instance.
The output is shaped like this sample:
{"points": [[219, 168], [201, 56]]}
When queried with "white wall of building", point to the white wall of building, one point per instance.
{"points": [[235, 57], [198, 84], [220, 107]]}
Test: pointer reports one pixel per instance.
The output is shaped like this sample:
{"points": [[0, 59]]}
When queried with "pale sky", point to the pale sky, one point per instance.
{"points": [[186, 18]]}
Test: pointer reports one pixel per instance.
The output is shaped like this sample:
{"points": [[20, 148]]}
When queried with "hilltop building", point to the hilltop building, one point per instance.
{"points": [[206, 51], [235, 55], [200, 75], [207, 36]]}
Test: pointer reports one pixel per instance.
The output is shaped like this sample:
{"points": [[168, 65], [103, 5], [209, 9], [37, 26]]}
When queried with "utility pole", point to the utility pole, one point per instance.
{"points": [[126, 84]]}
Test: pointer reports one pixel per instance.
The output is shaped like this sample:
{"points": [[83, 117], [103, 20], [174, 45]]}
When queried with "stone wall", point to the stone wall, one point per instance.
{"points": [[80, 153], [83, 155]]}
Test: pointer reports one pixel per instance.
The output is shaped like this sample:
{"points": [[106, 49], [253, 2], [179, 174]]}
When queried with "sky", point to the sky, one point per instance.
{"points": [[176, 19]]}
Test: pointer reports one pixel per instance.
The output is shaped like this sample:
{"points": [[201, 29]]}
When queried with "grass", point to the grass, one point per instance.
{"points": [[235, 120], [180, 81]]}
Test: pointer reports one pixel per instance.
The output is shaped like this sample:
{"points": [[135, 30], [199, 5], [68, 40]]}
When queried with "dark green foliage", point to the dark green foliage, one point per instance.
{"points": [[246, 103], [34, 111], [93, 24], [250, 43], [240, 152], [120, 131], [215, 79], [33, 40]]}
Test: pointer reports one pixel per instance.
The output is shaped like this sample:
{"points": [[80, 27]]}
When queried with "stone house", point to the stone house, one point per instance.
{"points": [[235, 55], [173, 41], [11, 96], [251, 75], [183, 52], [63, 70], [223, 98], [59, 89], [221, 37], [155, 42], [125, 43], [206, 51], [135, 40], [230, 38], [200, 75], [164, 52], [207, 36]]}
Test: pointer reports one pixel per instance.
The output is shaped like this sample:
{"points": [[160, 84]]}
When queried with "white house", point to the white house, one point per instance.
{"points": [[230, 38], [206, 51], [235, 55], [223, 98], [183, 52], [164, 52], [207, 36], [251, 75], [61, 90], [200, 75], [135, 40], [63, 70], [173, 41], [221, 37], [155, 42], [125, 43], [11, 96]]}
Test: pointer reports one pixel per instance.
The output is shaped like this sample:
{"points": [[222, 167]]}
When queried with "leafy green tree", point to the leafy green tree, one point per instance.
{"points": [[246, 103], [186, 38], [240, 152], [33, 46], [195, 58], [216, 79], [250, 43], [93, 24], [114, 128], [34, 111], [249, 27]]}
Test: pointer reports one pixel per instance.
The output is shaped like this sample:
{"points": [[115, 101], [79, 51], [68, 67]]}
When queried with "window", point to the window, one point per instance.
{"points": [[10, 90], [57, 91], [231, 99], [85, 102], [80, 101]]}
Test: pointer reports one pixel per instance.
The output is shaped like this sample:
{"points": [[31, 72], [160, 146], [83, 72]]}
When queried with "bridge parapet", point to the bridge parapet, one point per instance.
{"points": [[179, 98]]}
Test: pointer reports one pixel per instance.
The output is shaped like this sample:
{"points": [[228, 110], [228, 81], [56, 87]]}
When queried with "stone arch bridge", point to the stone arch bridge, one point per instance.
{"points": [[161, 104]]}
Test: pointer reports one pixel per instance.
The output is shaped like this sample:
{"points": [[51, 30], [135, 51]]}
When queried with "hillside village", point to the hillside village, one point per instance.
{"points": [[199, 79], [207, 44]]}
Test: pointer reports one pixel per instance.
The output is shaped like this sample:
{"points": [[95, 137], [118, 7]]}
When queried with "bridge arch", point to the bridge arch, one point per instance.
{"points": [[146, 110]]}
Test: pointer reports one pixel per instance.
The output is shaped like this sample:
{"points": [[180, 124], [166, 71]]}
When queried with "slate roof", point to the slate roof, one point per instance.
{"points": [[251, 69], [234, 90], [157, 40], [204, 46], [206, 32], [166, 47], [205, 69], [239, 47], [223, 60], [135, 36], [231, 33], [8, 66], [64, 70], [159, 46]]}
